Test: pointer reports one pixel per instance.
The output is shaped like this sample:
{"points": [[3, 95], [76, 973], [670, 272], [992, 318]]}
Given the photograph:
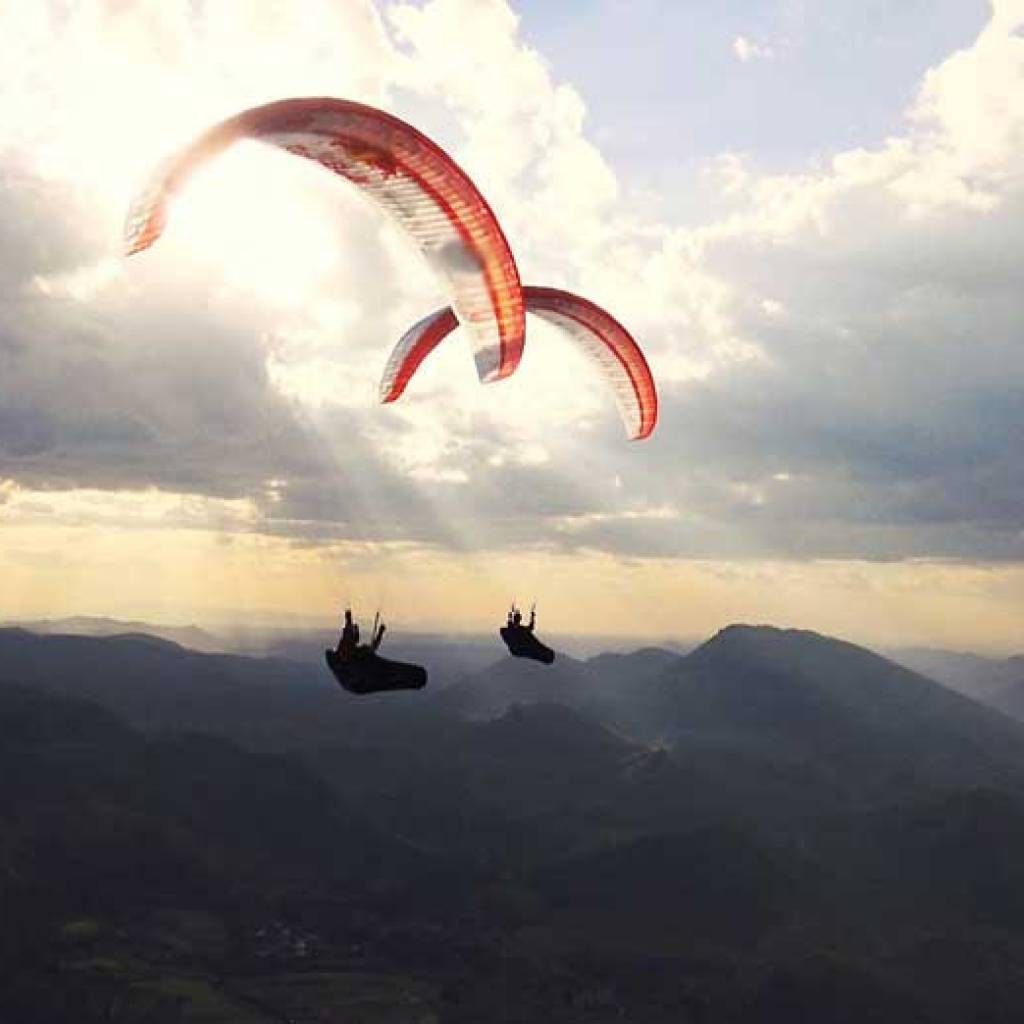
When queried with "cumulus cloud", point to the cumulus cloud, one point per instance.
{"points": [[746, 50], [838, 351], [174, 373], [890, 390]]}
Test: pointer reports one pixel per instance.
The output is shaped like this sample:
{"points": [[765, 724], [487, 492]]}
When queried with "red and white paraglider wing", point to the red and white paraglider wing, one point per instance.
{"points": [[610, 346], [412, 178], [601, 337], [413, 347]]}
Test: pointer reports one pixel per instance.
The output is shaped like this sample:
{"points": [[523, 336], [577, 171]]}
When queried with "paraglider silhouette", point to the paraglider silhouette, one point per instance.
{"points": [[445, 214], [521, 641], [359, 669]]}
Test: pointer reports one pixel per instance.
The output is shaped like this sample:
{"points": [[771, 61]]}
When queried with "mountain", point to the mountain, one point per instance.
{"points": [[492, 690], [629, 667], [1010, 698], [776, 826], [765, 727], [692, 890], [807, 696], [997, 682], [520, 788], [97, 819], [65, 760], [619, 690], [983, 679], [154, 684], [447, 658], [791, 696], [755, 692], [193, 637]]}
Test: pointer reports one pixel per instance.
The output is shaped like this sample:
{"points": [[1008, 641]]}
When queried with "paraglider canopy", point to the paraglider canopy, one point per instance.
{"points": [[596, 333], [407, 174]]}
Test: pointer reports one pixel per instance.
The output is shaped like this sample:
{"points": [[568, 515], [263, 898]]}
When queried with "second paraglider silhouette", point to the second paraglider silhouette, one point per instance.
{"points": [[520, 638], [419, 185]]}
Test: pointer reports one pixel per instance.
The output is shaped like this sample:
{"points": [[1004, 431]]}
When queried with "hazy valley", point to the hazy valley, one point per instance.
{"points": [[775, 826]]}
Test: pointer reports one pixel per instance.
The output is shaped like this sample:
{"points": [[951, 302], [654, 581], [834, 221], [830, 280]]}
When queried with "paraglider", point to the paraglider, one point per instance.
{"points": [[598, 334], [445, 214], [407, 174], [521, 641], [359, 669]]}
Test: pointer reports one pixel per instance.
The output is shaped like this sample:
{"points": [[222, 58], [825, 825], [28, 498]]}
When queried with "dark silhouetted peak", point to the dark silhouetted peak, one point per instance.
{"points": [[796, 691], [645, 662], [87, 644], [550, 725], [835, 666], [988, 680], [740, 642], [14, 634], [191, 637], [152, 683], [147, 640], [519, 681], [565, 667]]}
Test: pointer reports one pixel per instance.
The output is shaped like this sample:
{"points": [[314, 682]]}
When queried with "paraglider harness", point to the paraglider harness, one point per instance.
{"points": [[359, 669], [521, 641]]}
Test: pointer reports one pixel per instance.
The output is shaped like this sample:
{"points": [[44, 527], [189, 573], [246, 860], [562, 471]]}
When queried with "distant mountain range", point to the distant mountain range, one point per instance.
{"points": [[998, 682], [777, 825], [93, 625], [449, 655], [750, 688], [765, 691]]}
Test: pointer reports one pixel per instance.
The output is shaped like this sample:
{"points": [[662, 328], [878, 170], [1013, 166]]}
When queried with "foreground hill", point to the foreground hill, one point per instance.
{"points": [[210, 808], [822, 835], [123, 857]]}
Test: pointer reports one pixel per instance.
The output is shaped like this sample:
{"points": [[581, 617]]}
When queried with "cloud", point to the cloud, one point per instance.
{"points": [[838, 348], [746, 50], [881, 408]]}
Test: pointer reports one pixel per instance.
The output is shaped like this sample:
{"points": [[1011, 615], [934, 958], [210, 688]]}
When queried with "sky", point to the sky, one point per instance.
{"points": [[810, 216]]}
